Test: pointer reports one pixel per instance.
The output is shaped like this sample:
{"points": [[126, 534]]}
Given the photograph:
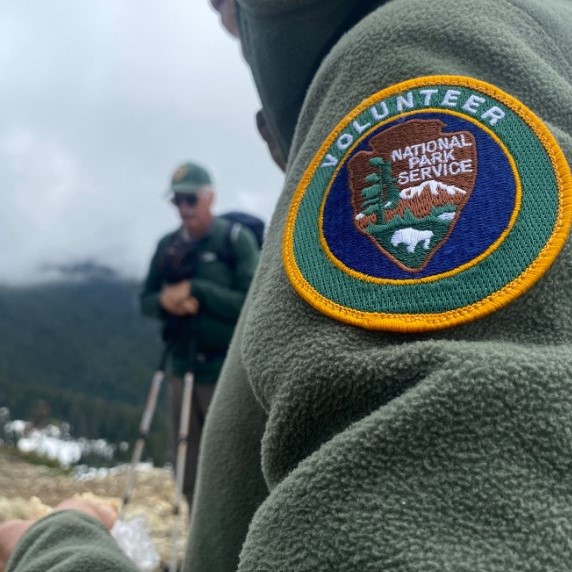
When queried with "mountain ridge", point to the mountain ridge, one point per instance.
{"points": [[80, 352]]}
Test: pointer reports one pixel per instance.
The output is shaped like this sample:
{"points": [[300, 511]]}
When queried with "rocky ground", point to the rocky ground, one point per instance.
{"points": [[29, 491]]}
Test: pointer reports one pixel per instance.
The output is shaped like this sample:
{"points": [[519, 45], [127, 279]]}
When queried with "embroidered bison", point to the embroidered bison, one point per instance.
{"points": [[411, 237]]}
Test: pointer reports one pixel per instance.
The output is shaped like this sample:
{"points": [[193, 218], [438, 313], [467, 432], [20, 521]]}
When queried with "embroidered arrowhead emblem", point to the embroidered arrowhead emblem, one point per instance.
{"points": [[408, 192]]}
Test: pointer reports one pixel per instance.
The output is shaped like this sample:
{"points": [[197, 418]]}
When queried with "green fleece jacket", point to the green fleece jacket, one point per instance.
{"points": [[330, 447], [221, 266]]}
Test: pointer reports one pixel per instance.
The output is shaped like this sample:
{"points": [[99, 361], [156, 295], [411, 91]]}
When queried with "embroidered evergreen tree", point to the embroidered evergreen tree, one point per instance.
{"points": [[390, 192], [383, 193], [372, 196]]}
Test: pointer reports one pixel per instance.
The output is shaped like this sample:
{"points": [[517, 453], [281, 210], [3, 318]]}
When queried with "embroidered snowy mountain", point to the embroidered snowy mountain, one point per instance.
{"points": [[416, 200], [433, 187], [408, 192]]}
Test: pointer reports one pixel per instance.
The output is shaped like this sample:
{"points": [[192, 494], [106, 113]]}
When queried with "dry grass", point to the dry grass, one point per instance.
{"points": [[30, 491]]}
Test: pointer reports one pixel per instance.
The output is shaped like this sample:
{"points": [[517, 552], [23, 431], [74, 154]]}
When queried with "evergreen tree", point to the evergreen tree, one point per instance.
{"points": [[82, 348], [372, 195], [383, 193], [389, 184]]}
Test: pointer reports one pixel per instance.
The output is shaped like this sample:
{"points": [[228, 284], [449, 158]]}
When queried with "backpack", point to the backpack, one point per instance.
{"points": [[176, 264], [255, 224]]}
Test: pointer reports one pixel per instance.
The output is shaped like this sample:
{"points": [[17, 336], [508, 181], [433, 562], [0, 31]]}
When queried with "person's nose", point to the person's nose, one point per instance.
{"points": [[186, 208]]}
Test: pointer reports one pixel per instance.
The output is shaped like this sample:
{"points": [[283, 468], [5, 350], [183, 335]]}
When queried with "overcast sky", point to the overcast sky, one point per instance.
{"points": [[99, 102]]}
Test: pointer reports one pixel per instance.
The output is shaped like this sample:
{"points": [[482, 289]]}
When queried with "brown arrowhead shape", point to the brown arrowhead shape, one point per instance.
{"points": [[408, 191]]}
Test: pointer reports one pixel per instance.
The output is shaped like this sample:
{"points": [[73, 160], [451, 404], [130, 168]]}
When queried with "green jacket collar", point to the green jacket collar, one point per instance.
{"points": [[284, 42]]}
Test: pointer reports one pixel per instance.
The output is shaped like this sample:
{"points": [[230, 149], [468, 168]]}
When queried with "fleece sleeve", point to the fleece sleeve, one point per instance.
{"points": [[68, 541], [231, 485], [149, 296], [446, 451]]}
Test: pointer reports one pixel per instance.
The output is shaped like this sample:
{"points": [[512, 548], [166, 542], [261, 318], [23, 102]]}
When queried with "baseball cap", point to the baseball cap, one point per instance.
{"points": [[189, 178]]}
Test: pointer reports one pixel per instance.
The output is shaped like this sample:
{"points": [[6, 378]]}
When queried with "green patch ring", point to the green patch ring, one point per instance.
{"points": [[532, 230]]}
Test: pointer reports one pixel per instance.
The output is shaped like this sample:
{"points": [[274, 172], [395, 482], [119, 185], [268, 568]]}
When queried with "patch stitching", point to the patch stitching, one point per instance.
{"points": [[423, 321]]}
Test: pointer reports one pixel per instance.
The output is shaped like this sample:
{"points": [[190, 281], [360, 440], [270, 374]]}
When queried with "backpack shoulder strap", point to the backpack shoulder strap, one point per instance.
{"points": [[230, 237]]}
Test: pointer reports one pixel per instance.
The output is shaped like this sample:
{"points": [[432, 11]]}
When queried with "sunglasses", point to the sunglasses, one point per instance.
{"points": [[180, 198]]}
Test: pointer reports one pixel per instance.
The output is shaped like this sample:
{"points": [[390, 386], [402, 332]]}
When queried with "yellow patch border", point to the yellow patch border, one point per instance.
{"points": [[423, 322]]}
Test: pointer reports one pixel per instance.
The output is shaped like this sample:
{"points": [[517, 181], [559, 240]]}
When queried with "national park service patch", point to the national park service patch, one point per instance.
{"points": [[433, 203]]}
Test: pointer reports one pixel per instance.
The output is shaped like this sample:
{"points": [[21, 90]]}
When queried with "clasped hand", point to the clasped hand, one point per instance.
{"points": [[176, 299]]}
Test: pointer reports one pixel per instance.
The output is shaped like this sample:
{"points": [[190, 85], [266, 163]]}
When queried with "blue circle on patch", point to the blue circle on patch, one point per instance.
{"points": [[436, 178]]}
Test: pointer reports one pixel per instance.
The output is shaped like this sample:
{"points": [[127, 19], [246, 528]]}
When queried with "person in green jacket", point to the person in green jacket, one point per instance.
{"points": [[196, 285], [403, 361]]}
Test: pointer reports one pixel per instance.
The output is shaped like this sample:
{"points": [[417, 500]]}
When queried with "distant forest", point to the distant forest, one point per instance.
{"points": [[79, 351]]}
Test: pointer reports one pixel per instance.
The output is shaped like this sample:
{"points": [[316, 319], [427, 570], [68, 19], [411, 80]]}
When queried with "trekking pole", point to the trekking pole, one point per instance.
{"points": [[188, 383], [148, 413]]}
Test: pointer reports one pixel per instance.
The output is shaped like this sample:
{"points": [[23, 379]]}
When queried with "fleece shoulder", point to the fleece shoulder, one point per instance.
{"points": [[413, 199]]}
